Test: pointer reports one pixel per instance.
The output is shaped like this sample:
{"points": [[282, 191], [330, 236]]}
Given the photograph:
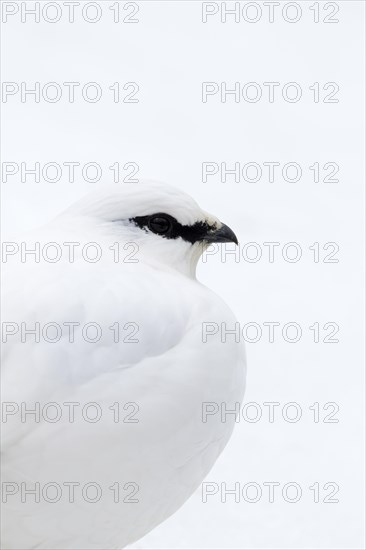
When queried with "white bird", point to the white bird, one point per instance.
{"points": [[117, 442]]}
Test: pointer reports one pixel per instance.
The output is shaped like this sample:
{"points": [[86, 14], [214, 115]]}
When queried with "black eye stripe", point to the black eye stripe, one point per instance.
{"points": [[190, 233]]}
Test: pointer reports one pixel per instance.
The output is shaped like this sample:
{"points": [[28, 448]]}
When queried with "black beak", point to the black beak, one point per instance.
{"points": [[222, 235]]}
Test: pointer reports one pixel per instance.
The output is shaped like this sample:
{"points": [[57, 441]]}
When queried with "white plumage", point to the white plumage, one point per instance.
{"points": [[167, 375]]}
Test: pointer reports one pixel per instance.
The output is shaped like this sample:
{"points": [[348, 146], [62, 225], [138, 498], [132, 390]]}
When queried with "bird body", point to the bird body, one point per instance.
{"points": [[126, 375]]}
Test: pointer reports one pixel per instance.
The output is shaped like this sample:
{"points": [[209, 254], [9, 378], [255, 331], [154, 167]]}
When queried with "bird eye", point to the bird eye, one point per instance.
{"points": [[159, 224]]}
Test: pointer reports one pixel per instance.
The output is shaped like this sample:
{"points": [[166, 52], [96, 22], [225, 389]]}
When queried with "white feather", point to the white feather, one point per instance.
{"points": [[169, 373]]}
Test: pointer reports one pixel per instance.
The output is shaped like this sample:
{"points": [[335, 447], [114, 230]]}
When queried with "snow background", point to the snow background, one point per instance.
{"points": [[169, 133]]}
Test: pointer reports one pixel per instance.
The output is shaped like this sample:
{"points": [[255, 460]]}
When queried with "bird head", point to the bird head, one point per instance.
{"points": [[166, 224]]}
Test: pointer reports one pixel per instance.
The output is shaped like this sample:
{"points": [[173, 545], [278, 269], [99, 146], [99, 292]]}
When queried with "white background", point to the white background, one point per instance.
{"points": [[169, 133]]}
